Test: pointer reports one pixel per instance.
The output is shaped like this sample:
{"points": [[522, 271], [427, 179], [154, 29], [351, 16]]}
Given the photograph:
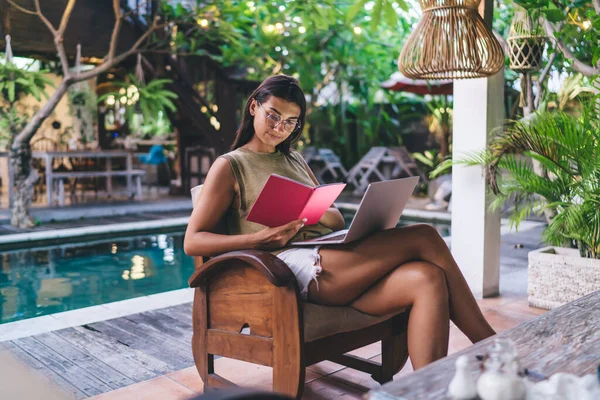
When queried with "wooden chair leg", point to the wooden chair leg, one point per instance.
{"points": [[394, 353], [61, 192], [288, 380], [288, 359], [204, 361]]}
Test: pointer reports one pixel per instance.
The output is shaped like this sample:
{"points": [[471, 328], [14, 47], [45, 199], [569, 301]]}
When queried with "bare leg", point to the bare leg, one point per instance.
{"points": [[349, 270], [423, 286]]}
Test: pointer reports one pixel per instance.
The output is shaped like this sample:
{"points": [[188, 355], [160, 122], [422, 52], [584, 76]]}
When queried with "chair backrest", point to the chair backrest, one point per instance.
{"points": [[329, 156], [308, 153], [156, 155]]}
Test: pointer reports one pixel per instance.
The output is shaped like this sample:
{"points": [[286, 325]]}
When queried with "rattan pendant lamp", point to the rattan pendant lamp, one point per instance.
{"points": [[451, 41]]}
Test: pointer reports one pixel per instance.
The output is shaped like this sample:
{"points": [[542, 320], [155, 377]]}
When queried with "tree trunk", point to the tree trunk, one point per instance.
{"points": [[20, 159], [25, 177]]}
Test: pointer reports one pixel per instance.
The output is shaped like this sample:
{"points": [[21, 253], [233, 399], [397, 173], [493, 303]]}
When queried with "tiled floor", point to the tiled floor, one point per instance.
{"points": [[325, 380]]}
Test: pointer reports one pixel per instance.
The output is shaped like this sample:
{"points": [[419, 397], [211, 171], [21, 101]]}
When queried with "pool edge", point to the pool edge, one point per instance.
{"points": [[87, 315], [21, 240]]}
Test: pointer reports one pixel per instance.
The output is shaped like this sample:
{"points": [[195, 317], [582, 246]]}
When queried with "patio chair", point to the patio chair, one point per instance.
{"points": [[308, 153], [41, 144], [82, 164], [359, 175], [380, 164], [323, 161], [407, 163], [327, 161], [156, 156], [247, 306]]}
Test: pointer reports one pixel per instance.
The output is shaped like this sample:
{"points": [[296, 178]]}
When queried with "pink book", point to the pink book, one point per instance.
{"points": [[284, 200]]}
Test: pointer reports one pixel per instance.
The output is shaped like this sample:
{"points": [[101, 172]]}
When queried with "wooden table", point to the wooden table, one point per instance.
{"points": [[566, 339], [49, 157]]}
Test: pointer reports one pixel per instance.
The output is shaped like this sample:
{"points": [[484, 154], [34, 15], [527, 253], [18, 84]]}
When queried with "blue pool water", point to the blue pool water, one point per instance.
{"points": [[60, 278]]}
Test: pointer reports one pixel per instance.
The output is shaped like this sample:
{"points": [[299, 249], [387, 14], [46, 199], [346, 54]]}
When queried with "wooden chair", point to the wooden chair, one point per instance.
{"points": [[247, 306], [41, 144], [407, 163], [324, 162], [359, 175]]}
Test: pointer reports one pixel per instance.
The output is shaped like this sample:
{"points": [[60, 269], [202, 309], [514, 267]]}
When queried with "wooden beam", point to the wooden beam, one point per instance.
{"points": [[254, 349], [361, 364]]}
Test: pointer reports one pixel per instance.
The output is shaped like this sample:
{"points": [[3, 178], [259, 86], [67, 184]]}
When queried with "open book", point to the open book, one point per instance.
{"points": [[284, 200]]}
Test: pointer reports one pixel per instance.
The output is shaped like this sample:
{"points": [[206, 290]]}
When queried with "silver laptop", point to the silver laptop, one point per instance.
{"points": [[379, 209]]}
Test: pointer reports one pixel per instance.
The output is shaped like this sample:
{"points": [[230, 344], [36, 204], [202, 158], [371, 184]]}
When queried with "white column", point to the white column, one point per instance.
{"points": [[478, 108]]}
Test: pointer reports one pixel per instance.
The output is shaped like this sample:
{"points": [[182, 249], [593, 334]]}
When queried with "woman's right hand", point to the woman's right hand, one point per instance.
{"points": [[277, 237]]}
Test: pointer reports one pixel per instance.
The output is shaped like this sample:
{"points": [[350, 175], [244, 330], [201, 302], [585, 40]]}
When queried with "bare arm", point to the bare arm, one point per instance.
{"points": [[215, 199], [332, 218]]}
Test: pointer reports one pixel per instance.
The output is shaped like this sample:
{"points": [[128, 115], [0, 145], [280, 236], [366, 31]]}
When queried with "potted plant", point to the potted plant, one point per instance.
{"points": [[83, 109], [526, 41], [146, 105], [568, 146]]}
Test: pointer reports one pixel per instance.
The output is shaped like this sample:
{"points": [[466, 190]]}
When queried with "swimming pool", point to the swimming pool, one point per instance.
{"points": [[48, 280], [57, 278]]}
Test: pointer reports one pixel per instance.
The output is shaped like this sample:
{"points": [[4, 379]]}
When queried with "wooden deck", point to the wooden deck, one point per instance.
{"points": [[92, 359], [100, 357]]}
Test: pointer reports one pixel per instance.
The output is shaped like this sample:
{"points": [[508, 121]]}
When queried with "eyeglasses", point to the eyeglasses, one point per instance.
{"points": [[273, 120]]}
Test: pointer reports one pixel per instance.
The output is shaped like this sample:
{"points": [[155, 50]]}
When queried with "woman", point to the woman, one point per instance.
{"points": [[380, 274]]}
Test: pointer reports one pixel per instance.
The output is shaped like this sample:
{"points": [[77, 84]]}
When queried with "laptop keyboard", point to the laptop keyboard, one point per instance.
{"points": [[336, 237]]}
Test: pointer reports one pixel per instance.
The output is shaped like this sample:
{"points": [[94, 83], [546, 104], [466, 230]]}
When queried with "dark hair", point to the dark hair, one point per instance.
{"points": [[281, 86]]}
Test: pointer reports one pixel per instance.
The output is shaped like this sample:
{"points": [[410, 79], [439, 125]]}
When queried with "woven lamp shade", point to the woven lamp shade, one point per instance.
{"points": [[451, 41]]}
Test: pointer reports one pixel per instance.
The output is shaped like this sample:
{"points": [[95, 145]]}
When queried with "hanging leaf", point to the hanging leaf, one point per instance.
{"points": [[402, 4], [554, 16], [391, 18], [355, 9], [376, 15], [10, 86]]}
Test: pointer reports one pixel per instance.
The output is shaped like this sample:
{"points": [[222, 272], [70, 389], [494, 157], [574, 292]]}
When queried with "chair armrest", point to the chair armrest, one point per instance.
{"points": [[273, 268]]}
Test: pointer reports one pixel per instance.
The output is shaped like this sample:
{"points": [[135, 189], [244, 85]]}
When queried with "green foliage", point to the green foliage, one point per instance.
{"points": [[83, 106], [568, 147], [339, 51], [433, 163], [147, 105], [577, 23], [567, 97], [381, 8], [544, 8], [16, 82], [11, 122]]}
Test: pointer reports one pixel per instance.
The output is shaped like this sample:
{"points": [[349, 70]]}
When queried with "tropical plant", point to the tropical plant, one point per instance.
{"points": [[432, 161], [568, 146], [573, 27], [20, 148], [83, 107], [147, 104], [340, 52], [15, 84]]}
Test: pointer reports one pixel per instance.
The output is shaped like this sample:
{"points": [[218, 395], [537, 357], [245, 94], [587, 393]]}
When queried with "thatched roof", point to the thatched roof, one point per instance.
{"points": [[90, 24]]}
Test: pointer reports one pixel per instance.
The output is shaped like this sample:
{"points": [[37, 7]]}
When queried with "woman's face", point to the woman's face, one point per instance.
{"points": [[274, 120]]}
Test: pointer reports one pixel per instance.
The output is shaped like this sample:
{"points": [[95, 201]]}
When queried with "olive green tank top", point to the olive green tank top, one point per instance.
{"points": [[252, 170]]}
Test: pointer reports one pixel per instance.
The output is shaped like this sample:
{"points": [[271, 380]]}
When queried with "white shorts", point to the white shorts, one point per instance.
{"points": [[305, 263]]}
